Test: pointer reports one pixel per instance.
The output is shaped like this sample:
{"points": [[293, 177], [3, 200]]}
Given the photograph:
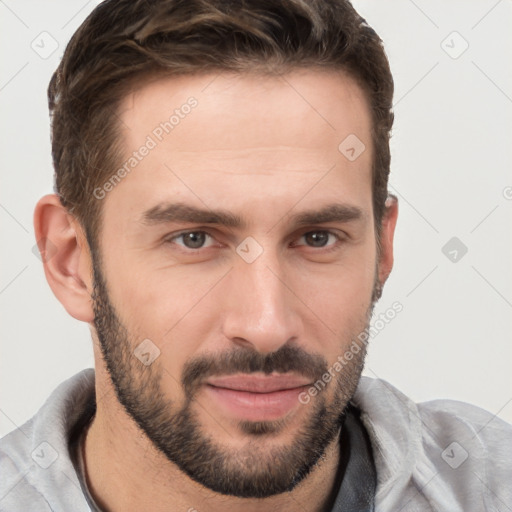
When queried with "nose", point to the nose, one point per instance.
{"points": [[260, 310]]}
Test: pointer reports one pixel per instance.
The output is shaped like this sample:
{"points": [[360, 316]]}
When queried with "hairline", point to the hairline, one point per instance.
{"points": [[139, 81]]}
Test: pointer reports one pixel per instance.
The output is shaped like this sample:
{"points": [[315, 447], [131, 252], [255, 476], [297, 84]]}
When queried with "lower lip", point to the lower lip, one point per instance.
{"points": [[256, 406]]}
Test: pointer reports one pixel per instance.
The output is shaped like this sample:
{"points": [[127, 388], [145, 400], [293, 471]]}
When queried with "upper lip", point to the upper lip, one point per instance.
{"points": [[259, 384]]}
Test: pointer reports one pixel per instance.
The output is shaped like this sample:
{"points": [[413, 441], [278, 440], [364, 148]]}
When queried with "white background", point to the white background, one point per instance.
{"points": [[451, 162]]}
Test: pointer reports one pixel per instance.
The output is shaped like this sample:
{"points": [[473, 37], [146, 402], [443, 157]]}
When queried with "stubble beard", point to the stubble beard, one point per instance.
{"points": [[255, 471]]}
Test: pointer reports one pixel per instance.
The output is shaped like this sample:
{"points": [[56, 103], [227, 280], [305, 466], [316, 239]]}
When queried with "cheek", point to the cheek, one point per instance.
{"points": [[157, 296], [345, 286], [339, 301], [173, 307]]}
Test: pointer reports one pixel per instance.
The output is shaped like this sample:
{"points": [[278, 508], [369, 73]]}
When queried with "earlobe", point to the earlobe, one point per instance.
{"points": [[386, 239], [66, 257]]}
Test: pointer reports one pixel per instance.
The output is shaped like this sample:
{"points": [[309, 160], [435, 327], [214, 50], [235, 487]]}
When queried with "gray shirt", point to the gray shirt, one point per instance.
{"points": [[437, 456]]}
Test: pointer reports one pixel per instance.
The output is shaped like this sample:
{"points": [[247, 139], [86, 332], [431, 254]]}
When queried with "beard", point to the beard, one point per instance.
{"points": [[252, 471]]}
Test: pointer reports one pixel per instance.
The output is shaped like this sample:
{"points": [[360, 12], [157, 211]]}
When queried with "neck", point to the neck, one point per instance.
{"points": [[124, 471]]}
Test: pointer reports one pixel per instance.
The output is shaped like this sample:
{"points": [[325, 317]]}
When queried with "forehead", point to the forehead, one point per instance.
{"points": [[245, 140], [319, 102]]}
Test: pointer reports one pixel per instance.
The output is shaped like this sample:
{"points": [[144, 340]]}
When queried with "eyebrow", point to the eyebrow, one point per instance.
{"points": [[179, 212]]}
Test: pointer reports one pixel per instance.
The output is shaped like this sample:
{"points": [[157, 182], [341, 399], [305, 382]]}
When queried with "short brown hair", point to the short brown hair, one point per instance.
{"points": [[124, 42]]}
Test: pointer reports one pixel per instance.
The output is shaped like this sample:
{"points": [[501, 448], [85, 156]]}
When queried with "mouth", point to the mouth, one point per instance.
{"points": [[256, 397]]}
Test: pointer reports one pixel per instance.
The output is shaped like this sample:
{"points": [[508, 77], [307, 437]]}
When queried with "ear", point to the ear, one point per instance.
{"points": [[66, 257], [386, 238]]}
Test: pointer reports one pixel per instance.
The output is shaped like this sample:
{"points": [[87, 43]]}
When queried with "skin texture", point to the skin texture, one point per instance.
{"points": [[264, 149]]}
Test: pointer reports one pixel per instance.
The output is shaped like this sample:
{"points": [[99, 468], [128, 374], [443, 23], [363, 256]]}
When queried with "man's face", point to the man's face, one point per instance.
{"points": [[248, 309]]}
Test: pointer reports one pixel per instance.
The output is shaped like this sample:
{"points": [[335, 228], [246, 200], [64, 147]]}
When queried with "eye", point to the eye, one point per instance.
{"points": [[319, 238], [191, 239], [200, 239]]}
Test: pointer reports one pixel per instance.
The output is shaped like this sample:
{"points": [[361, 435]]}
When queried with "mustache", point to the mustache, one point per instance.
{"points": [[286, 359]]}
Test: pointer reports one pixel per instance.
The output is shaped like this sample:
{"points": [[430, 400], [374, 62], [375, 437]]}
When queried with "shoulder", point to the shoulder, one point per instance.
{"points": [[451, 418], [389, 406], [35, 463], [16, 489], [442, 454]]}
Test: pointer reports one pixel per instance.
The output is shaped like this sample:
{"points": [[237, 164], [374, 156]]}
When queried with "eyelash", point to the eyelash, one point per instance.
{"points": [[327, 249]]}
